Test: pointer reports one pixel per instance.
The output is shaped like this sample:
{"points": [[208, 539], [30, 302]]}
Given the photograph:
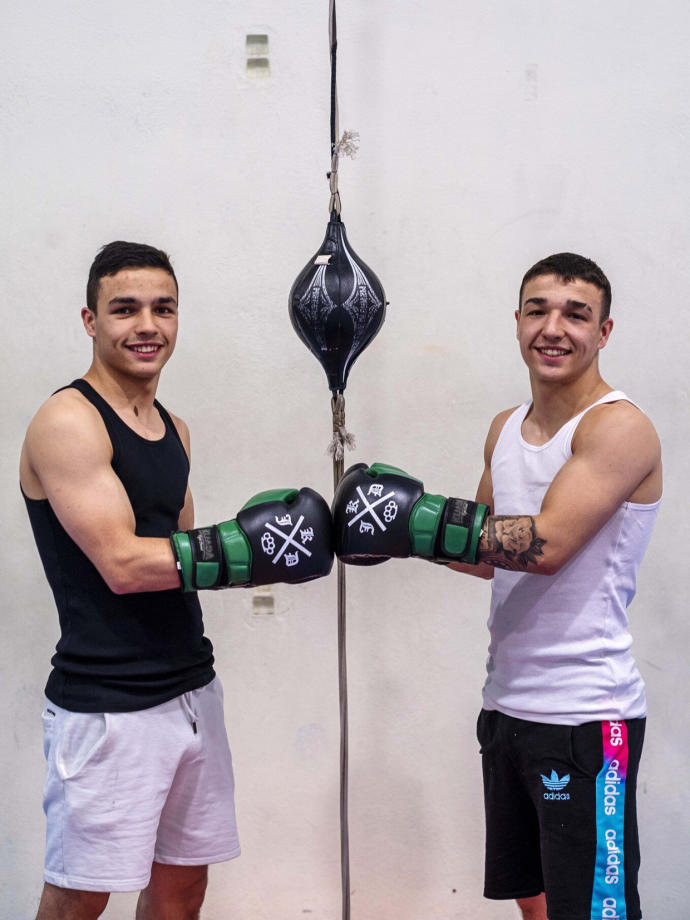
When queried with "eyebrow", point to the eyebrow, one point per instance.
{"points": [[570, 304], [133, 300]]}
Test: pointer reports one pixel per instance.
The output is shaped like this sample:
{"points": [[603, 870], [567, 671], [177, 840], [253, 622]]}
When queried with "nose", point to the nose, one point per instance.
{"points": [[552, 325], [145, 324]]}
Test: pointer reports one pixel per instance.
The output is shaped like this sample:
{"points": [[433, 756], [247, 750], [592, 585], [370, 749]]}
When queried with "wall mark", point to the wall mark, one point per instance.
{"points": [[256, 48], [263, 601]]}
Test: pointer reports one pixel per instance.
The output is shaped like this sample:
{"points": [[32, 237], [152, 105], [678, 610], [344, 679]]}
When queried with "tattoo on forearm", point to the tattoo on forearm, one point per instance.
{"points": [[510, 542]]}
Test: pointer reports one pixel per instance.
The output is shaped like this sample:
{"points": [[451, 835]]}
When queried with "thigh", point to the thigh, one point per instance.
{"points": [[512, 852], [107, 779], [617, 859], [198, 824], [582, 782]]}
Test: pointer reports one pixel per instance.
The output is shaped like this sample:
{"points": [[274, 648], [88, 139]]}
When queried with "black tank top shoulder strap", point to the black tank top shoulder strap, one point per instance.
{"points": [[112, 421], [93, 397], [169, 424]]}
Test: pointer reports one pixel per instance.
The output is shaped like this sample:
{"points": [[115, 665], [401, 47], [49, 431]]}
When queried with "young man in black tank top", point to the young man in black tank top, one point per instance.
{"points": [[133, 699]]}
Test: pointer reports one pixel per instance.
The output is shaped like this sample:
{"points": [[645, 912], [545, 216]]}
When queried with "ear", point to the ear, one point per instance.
{"points": [[88, 318], [605, 331], [517, 324]]}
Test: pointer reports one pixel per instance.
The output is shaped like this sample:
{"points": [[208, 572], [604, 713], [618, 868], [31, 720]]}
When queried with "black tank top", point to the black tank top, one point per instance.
{"points": [[119, 653]]}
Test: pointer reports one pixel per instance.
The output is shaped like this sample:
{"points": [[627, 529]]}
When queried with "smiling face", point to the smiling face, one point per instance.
{"points": [[134, 326], [559, 328]]}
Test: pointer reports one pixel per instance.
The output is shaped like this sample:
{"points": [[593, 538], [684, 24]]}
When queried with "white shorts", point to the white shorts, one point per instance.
{"points": [[125, 789]]}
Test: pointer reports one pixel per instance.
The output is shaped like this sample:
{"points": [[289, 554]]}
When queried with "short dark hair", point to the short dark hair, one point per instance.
{"points": [[113, 257], [568, 266]]}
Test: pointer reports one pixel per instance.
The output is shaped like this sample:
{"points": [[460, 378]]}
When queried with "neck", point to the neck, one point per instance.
{"points": [[122, 391], [553, 403]]}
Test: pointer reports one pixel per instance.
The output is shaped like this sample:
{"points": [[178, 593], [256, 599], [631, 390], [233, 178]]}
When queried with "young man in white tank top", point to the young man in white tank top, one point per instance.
{"points": [[563, 514], [573, 482]]}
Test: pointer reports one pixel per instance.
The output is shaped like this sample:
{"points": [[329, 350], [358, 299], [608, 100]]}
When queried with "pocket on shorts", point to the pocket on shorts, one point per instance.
{"points": [[585, 748], [48, 717], [82, 740], [485, 729]]}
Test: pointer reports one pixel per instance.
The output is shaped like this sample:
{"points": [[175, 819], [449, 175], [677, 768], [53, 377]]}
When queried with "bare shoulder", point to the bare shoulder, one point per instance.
{"points": [[619, 441], [66, 414], [495, 430], [65, 435], [617, 425]]}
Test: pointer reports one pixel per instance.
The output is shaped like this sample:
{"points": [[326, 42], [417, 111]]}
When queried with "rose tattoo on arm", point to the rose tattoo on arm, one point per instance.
{"points": [[510, 542]]}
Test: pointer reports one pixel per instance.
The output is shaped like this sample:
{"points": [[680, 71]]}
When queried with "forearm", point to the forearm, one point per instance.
{"points": [[517, 543], [140, 564], [481, 570]]}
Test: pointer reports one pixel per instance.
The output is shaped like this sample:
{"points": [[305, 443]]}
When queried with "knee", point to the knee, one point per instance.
{"points": [[533, 908], [192, 897], [175, 891], [57, 903]]}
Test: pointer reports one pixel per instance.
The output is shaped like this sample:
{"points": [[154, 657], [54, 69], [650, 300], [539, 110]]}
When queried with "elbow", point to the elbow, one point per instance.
{"points": [[119, 584], [120, 579], [552, 565], [549, 569]]}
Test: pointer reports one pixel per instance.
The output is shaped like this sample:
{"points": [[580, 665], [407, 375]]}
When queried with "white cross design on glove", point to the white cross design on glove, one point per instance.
{"points": [[370, 508], [288, 540]]}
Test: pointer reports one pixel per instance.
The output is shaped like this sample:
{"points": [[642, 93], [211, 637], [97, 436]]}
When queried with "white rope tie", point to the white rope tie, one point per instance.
{"points": [[341, 436]]}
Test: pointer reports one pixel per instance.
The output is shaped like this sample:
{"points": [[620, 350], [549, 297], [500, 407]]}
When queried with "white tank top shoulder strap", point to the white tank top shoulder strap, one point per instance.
{"points": [[570, 427], [513, 422]]}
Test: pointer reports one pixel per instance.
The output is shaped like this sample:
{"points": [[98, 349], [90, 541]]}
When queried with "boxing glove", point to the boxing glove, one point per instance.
{"points": [[283, 535], [381, 512]]}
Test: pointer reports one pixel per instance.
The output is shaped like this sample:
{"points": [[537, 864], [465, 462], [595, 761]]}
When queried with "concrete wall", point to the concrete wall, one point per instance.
{"points": [[491, 135]]}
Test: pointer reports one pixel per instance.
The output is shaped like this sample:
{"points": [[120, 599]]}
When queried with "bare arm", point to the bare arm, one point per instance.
{"points": [[66, 459], [616, 457], [186, 519], [485, 495]]}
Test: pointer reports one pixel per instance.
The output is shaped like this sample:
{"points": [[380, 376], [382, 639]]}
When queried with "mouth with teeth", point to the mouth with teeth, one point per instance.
{"points": [[551, 352], [145, 349]]}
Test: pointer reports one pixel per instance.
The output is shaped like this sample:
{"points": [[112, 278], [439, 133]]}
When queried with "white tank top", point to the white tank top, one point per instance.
{"points": [[560, 646]]}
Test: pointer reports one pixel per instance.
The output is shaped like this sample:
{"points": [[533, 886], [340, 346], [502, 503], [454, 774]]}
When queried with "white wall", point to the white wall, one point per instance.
{"points": [[491, 135]]}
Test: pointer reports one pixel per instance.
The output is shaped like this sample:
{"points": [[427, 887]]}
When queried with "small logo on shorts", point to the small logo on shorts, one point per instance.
{"points": [[555, 784]]}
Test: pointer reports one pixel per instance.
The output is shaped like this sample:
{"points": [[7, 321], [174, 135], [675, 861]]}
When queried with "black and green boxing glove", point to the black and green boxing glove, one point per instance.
{"points": [[283, 535], [380, 512]]}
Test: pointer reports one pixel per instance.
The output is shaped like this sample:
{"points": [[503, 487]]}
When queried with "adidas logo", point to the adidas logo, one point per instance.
{"points": [[555, 784]]}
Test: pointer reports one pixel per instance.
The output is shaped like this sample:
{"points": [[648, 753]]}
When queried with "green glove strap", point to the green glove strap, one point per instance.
{"points": [[228, 556], [454, 540], [480, 517], [237, 551], [447, 529], [183, 554], [424, 522], [460, 537]]}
